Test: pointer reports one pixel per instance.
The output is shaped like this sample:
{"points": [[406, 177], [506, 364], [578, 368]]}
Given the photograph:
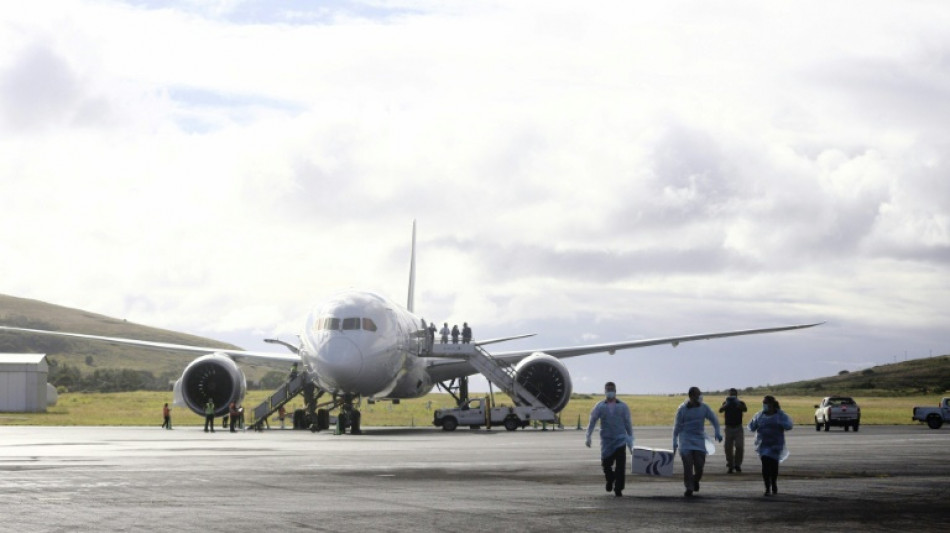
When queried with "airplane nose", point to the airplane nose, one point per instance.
{"points": [[340, 360]]}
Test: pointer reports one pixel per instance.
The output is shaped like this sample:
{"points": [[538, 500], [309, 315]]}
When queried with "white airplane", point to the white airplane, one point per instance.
{"points": [[360, 344]]}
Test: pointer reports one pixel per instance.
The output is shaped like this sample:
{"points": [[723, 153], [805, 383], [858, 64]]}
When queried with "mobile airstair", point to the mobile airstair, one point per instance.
{"points": [[500, 374], [286, 392]]}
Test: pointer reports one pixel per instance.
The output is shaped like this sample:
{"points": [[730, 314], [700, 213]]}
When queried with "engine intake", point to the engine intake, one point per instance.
{"points": [[214, 376], [547, 378]]}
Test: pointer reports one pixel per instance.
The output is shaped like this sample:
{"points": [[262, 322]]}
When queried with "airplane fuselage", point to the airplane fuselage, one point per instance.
{"points": [[362, 343]]}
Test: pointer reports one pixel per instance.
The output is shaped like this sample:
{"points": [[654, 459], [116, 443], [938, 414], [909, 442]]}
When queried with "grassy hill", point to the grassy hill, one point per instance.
{"points": [[930, 376], [89, 356]]}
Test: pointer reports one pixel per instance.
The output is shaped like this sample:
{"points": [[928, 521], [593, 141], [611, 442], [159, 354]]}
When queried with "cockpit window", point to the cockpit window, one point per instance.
{"points": [[337, 324]]}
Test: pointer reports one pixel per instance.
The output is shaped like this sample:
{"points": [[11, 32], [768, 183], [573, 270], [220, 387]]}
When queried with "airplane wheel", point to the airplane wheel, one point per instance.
{"points": [[449, 424], [323, 419], [355, 417]]}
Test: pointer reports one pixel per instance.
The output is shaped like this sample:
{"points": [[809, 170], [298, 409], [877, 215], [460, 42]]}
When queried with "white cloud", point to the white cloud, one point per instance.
{"points": [[626, 171]]}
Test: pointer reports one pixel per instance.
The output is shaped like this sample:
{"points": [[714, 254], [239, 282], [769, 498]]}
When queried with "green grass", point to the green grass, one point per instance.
{"points": [[144, 408]]}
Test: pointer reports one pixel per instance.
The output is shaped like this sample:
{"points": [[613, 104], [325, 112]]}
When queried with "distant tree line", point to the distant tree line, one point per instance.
{"points": [[68, 378]]}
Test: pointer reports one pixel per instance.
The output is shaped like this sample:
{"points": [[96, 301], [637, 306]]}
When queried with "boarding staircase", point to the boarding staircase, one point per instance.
{"points": [[286, 392], [499, 373]]}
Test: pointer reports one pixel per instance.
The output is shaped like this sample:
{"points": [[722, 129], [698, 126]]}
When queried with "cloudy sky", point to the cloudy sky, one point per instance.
{"points": [[590, 174]]}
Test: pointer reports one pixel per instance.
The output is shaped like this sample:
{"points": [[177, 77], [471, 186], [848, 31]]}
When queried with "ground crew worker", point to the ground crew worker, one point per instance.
{"points": [[167, 417], [233, 413], [735, 437], [616, 433], [770, 426], [281, 414], [690, 439], [209, 415]]}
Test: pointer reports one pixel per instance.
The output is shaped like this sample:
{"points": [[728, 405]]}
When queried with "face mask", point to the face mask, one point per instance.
{"points": [[611, 394], [765, 407], [700, 399]]}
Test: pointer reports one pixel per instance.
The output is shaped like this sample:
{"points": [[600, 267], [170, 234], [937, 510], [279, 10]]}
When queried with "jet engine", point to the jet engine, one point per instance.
{"points": [[547, 378], [214, 376]]}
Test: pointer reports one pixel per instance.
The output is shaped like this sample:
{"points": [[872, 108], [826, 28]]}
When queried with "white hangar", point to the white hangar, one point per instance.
{"points": [[23, 386]]}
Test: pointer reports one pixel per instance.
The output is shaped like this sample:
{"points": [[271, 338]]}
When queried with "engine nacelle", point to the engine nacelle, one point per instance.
{"points": [[547, 378], [214, 375]]}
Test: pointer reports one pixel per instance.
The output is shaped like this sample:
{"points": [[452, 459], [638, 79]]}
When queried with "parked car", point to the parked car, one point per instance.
{"points": [[837, 411], [476, 413], [934, 416]]}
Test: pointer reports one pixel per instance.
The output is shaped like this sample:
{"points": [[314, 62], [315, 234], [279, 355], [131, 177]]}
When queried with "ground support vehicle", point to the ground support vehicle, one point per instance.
{"points": [[837, 411], [933, 416], [476, 413]]}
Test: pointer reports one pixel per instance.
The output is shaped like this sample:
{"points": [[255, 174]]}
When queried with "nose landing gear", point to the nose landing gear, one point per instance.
{"points": [[349, 415]]}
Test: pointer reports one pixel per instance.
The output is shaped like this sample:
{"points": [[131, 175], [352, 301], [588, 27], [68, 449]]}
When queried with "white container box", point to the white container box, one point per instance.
{"points": [[651, 462]]}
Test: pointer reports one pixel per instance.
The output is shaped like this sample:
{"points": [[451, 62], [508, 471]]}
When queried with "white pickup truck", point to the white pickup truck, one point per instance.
{"points": [[837, 411], [476, 413], [933, 416]]}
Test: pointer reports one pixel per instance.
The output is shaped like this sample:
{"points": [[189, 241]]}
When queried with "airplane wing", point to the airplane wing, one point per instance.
{"points": [[237, 355], [574, 351], [504, 339], [448, 369]]}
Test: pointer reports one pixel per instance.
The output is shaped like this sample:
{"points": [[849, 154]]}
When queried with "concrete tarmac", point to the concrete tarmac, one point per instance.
{"points": [[883, 478]]}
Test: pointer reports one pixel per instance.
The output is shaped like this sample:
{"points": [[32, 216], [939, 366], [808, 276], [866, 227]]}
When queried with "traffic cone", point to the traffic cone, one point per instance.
{"points": [[579, 422]]}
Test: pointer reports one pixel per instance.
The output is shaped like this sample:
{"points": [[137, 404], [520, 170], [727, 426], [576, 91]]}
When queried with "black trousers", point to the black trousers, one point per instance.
{"points": [[209, 423], [769, 472], [615, 466]]}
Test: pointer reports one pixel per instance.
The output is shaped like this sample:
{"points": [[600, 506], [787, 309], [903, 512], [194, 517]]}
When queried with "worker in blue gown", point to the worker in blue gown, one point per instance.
{"points": [[770, 425], [689, 437], [616, 434]]}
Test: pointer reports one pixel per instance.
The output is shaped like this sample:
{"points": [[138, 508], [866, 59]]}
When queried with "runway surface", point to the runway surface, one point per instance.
{"points": [[423, 479]]}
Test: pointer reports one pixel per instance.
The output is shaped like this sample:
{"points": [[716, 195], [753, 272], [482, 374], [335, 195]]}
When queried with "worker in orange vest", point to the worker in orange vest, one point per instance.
{"points": [[167, 416]]}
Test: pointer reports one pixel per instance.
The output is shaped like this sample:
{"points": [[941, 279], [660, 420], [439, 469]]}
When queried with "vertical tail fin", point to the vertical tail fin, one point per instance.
{"points": [[410, 303]]}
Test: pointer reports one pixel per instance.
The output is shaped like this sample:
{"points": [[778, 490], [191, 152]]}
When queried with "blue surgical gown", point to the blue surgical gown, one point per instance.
{"points": [[688, 427], [770, 433], [616, 429]]}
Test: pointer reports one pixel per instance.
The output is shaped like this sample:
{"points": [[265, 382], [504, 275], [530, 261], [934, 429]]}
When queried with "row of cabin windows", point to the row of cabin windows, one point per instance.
{"points": [[336, 324]]}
